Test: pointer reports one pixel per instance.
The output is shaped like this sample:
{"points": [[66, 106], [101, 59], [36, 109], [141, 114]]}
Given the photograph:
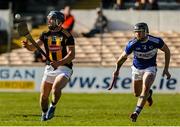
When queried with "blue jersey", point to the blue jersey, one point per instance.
{"points": [[145, 53]]}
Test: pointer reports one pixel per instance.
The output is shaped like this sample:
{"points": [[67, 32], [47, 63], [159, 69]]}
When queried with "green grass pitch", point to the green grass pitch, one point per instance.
{"points": [[89, 110]]}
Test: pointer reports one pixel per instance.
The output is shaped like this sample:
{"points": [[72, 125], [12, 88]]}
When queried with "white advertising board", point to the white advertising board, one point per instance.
{"points": [[4, 19], [84, 80]]}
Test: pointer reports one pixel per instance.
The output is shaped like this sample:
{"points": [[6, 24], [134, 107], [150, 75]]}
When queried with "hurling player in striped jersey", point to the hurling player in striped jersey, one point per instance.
{"points": [[60, 48]]}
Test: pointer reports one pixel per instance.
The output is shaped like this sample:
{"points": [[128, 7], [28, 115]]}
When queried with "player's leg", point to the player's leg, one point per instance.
{"points": [[59, 83], [46, 86], [62, 78], [44, 98], [136, 81], [137, 87], [149, 99], [152, 70], [148, 79]]}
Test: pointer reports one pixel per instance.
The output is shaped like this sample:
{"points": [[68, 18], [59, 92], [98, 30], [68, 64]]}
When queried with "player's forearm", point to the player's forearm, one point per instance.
{"points": [[167, 58], [30, 47], [120, 63]]}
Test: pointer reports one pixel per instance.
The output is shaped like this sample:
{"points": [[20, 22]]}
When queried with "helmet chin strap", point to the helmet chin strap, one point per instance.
{"points": [[52, 27], [144, 38]]}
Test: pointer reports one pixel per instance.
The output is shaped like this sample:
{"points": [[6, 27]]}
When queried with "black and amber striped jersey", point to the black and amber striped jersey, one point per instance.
{"points": [[55, 44]]}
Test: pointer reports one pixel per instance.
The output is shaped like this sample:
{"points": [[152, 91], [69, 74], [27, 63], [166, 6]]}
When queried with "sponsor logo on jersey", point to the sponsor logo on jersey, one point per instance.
{"points": [[151, 47], [54, 38], [145, 55], [138, 48], [55, 48]]}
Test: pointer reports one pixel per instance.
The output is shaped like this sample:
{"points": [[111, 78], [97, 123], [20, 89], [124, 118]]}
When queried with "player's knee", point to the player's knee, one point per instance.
{"points": [[44, 97], [137, 93], [56, 91], [146, 90]]}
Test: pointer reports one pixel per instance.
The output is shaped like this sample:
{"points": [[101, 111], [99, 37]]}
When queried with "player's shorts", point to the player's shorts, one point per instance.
{"points": [[137, 74], [50, 74]]}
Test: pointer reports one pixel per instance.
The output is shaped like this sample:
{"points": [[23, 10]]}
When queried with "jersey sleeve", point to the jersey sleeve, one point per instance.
{"points": [[160, 44], [129, 48], [70, 41]]}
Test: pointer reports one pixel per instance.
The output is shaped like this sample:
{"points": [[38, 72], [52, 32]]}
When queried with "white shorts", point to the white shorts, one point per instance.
{"points": [[50, 74], [137, 74]]}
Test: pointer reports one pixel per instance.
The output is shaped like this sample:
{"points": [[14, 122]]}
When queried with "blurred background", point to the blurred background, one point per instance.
{"points": [[96, 52]]}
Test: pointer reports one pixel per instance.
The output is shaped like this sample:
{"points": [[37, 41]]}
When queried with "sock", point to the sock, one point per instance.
{"points": [[138, 109]]}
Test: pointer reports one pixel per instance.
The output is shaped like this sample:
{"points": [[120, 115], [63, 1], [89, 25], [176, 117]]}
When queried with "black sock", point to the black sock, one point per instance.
{"points": [[44, 110], [53, 104]]}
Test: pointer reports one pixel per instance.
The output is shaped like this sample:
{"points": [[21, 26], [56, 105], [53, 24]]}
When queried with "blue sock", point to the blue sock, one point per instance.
{"points": [[138, 109]]}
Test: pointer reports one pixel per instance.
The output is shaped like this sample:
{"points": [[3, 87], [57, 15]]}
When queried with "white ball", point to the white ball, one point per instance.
{"points": [[17, 16]]}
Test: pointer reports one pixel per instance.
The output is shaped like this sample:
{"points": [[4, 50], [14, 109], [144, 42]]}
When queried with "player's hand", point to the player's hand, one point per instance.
{"points": [[55, 64], [166, 72], [115, 76], [24, 43]]}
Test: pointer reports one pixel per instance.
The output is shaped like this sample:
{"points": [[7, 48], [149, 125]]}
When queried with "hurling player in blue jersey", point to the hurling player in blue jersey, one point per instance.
{"points": [[144, 47]]}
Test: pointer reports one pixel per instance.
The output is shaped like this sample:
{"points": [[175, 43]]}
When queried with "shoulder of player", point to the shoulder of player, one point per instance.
{"points": [[132, 42], [154, 39], [45, 33], [66, 33]]}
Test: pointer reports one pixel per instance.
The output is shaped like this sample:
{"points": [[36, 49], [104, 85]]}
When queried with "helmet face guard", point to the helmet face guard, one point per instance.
{"points": [[52, 24], [143, 27], [54, 19]]}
